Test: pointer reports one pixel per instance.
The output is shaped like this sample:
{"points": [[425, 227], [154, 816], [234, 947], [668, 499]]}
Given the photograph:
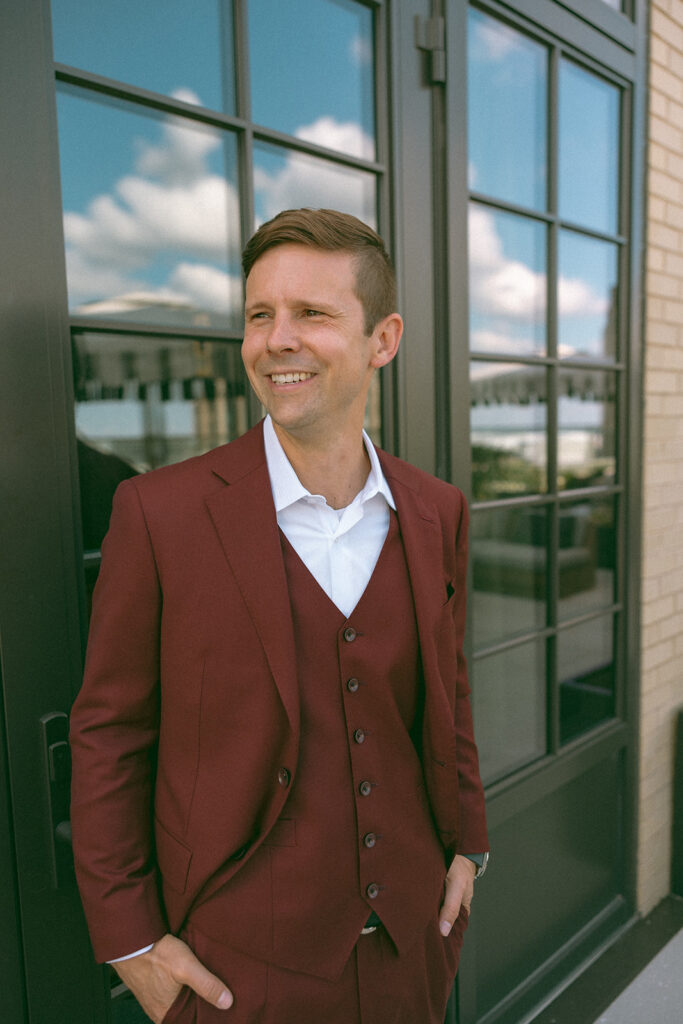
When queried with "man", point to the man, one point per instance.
{"points": [[277, 809]]}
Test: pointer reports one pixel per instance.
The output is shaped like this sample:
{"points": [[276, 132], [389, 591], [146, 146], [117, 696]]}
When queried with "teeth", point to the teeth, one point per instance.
{"points": [[289, 378]]}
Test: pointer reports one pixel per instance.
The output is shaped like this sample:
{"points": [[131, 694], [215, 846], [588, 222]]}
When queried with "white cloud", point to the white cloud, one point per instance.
{"points": [[497, 39], [207, 287], [345, 136], [171, 207], [505, 287], [308, 181], [360, 50]]}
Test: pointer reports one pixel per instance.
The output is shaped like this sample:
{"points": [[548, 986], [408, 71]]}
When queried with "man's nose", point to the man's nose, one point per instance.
{"points": [[283, 335]]}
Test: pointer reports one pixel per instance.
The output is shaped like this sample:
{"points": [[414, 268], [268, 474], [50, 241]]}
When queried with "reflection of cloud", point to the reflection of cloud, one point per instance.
{"points": [[303, 180], [497, 39], [170, 210], [207, 287], [347, 137], [499, 285], [505, 287], [360, 50]]}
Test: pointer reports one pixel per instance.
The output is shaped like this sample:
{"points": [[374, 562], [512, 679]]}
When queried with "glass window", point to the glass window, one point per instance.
{"points": [[585, 657], [507, 85], [167, 46], [508, 551], [507, 261], [586, 555], [588, 123], [508, 704], [508, 429], [285, 179], [587, 297], [586, 421], [143, 402], [312, 72], [151, 216]]}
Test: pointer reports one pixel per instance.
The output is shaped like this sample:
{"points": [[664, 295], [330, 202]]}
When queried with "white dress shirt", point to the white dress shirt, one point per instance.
{"points": [[339, 547]]}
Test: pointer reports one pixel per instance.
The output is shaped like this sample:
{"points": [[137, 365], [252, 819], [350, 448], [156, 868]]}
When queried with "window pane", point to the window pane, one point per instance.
{"points": [[151, 216], [586, 428], [586, 673], [508, 552], [147, 402], [508, 423], [312, 72], [509, 708], [586, 556], [588, 124], [285, 179], [587, 297], [507, 87], [167, 46], [507, 261]]}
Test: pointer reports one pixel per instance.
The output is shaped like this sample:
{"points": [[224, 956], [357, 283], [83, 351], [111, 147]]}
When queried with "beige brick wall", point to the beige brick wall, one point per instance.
{"points": [[662, 595]]}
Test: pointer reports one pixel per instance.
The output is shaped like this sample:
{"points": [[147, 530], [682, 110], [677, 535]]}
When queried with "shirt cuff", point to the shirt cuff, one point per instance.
{"points": [[129, 956], [478, 858]]}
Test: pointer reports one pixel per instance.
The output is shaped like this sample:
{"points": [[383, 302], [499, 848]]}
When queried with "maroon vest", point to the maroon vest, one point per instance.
{"points": [[356, 834]]}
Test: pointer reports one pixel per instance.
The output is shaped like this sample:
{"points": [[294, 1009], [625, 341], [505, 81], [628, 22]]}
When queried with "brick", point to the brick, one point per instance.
{"points": [[662, 80], [662, 184], [664, 285]]}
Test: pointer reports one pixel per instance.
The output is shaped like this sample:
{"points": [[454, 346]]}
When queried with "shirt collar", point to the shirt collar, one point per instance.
{"points": [[288, 489]]}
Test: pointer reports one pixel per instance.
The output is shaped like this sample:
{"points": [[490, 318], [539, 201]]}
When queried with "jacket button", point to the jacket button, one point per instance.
{"points": [[283, 776], [372, 891], [365, 788], [369, 840], [352, 684], [359, 736], [350, 634]]}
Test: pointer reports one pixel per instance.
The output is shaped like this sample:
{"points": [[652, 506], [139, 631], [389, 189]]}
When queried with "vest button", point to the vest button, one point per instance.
{"points": [[365, 788], [372, 891], [350, 634], [359, 736], [283, 776], [352, 684], [369, 840]]}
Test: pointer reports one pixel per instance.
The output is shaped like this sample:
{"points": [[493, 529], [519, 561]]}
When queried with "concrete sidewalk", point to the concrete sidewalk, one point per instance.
{"points": [[656, 995]]}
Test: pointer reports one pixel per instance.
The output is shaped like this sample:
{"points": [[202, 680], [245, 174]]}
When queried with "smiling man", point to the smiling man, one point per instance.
{"points": [[277, 810]]}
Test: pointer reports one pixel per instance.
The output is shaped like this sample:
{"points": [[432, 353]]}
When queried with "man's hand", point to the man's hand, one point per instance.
{"points": [[459, 891], [155, 978]]}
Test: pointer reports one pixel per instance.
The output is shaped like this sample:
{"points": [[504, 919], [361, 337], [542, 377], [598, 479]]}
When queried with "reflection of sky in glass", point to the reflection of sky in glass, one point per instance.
{"points": [[284, 179], [586, 296], [151, 215], [507, 259], [311, 66], [507, 88], [588, 149], [586, 442], [161, 45]]}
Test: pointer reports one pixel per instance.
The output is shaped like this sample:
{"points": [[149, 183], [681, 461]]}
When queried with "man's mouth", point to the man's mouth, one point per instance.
{"points": [[290, 378]]}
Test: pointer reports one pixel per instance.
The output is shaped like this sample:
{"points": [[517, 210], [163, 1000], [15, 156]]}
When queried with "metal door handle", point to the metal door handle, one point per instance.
{"points": [[57, 764]]}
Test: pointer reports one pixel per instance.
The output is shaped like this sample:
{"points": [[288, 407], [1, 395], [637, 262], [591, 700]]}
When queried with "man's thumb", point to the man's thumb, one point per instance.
{"points": [[209, 987]]}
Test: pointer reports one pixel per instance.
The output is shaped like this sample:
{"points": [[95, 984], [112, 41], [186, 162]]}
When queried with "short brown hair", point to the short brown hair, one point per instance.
{"points": [[332, 231]]}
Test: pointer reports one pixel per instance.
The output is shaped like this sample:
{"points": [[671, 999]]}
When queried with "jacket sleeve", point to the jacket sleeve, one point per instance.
{"points": [[473, 837], [114, 733]]}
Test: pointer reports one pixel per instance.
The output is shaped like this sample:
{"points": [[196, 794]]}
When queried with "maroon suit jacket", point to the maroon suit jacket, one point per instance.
{"points": [[188, 712]]}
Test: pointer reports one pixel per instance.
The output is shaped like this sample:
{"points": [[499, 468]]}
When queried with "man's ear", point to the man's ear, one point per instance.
{"points": [[385, 338]]}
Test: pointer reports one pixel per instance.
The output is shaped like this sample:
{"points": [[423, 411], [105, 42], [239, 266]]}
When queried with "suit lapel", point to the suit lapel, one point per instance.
{"points": [[244, 517]]}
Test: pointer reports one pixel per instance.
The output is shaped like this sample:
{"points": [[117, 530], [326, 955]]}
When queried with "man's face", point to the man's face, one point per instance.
{"points": [[304, 349]]}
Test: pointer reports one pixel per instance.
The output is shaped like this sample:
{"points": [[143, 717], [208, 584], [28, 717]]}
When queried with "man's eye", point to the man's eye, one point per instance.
{"points": [[309, 313]]}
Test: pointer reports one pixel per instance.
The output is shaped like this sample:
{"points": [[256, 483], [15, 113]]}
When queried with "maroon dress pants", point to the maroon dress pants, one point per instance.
{"points": [[377, 986]]}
